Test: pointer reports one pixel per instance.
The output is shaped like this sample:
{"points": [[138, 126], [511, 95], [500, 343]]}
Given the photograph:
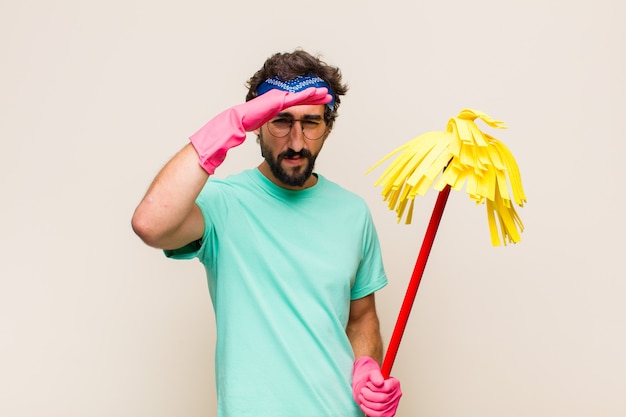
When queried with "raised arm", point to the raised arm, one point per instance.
{"points": [[168, 217]]}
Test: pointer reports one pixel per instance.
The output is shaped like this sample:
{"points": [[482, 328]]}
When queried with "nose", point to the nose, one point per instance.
{"points": [[296, 136]]}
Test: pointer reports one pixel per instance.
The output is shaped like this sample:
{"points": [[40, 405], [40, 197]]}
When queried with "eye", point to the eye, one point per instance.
{"points": [[310, 124], [282, 123]]}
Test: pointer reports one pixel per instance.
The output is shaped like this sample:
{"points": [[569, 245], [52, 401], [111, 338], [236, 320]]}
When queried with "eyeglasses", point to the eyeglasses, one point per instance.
{"points": [[312, 129]]}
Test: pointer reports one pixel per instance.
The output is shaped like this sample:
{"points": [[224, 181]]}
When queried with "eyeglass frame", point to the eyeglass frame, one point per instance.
{"points": [[292, 120]]}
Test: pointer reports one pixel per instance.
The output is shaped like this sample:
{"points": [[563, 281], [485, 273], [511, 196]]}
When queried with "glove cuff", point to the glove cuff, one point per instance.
{"points": [[215, 138], [365, 364]]}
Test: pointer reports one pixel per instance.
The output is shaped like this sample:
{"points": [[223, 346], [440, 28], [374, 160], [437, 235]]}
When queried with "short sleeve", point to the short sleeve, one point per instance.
{"points": [[213, 204], [370, 276]]}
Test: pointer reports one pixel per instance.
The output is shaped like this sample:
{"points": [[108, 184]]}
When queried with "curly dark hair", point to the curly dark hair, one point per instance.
{"points": [[289, 65]]}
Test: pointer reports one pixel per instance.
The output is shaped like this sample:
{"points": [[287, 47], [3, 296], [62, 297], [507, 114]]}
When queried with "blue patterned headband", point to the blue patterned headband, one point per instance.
{"points": [[296, 85]]}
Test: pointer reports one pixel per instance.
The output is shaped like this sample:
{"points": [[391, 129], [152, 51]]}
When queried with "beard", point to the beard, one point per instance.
{"points": [[294, 177]]}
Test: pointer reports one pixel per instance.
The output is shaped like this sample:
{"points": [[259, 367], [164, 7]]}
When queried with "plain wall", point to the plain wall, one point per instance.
{"points": [[96, 96]]}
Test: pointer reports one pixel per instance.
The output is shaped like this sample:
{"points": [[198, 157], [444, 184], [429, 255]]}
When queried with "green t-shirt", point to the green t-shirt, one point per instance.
{"points": [[282, 267]]}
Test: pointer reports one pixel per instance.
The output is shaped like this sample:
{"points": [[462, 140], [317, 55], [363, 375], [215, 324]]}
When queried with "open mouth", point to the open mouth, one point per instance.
{"points": [[294, 157]]}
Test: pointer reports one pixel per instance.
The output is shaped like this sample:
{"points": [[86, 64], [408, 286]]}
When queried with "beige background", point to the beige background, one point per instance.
{"points": [[96, 96]]}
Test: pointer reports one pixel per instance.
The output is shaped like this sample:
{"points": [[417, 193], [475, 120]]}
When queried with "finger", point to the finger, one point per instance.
{"points": [[387, 385], [386, 408], [314, 92], [370, 396], [374, 410], [377, 378], [311, 95]]}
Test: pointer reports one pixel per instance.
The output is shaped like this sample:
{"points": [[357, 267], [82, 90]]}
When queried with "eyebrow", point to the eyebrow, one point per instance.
{"points": [[288, 115]]}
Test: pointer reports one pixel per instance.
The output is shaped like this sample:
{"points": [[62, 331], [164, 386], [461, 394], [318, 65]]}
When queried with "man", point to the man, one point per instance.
{"points": [[292, 259]]}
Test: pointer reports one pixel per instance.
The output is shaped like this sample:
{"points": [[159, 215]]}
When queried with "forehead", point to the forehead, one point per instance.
{"points": [[304, 110]]}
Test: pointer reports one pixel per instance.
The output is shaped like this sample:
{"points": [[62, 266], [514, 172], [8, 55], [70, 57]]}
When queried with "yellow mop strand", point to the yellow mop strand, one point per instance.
{"points": [[461, 156]]}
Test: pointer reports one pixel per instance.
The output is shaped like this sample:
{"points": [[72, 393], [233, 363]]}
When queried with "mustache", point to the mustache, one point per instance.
{"points": [[290, 153]]}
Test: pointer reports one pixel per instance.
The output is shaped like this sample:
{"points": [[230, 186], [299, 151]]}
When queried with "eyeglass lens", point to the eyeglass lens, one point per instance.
{"points": [[312, 129]]}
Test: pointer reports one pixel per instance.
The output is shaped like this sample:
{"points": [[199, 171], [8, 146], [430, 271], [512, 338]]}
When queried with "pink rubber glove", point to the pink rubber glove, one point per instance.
{"points": [[375, 395], [228, 129]]}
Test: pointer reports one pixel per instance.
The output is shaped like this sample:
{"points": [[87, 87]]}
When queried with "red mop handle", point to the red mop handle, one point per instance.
{"points": [[414, 283]]}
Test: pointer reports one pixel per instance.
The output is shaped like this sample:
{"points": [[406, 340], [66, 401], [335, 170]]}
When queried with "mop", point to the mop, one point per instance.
{"points": [[462, 156]]}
